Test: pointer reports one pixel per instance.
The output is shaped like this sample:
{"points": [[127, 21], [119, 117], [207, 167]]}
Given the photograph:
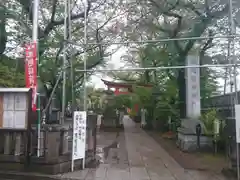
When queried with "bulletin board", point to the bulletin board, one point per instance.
{"points": [[14, 108]]}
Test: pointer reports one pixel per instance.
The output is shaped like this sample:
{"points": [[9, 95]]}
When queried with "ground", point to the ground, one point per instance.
{"points": [[135, 155], [202, 161]]}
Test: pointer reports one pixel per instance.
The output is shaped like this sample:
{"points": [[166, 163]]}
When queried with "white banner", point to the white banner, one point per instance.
{"points": [[79, 135]]}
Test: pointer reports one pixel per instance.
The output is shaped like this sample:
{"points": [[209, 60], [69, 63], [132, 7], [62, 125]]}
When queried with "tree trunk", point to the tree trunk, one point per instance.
{"points": [[3, 33], [147, 76]]}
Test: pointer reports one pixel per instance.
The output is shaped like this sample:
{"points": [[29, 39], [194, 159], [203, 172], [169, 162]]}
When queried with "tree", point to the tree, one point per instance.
{"points": [[176, 19], [18, 15], [146, 20]]}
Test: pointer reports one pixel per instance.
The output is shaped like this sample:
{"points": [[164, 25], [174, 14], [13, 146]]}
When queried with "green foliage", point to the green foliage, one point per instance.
{"points": [[210, 119], [10, 78], [3, 33], [95, 98], [123, 100], [142, 96]]}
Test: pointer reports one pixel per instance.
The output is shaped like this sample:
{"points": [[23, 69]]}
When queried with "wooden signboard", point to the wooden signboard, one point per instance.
{"points": [[14, 108]]}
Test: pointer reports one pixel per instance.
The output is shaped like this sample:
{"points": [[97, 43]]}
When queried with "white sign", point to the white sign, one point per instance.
{"points": [[79, 135], [193, 87], [237, 120]]}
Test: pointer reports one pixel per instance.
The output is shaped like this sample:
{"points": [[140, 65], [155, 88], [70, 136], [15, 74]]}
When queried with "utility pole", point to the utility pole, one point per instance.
{"points": [[64, 62], [35, 40], [233, 78], [70, 58], [85, 55]]}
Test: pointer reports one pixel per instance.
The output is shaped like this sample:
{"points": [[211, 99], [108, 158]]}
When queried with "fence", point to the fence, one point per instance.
{"points": [[224, 104], [18, 148]]}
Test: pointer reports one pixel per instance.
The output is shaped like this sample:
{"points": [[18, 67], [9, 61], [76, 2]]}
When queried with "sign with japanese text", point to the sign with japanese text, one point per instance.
{"points": [[193, 87], [31, 71], [79, 135], [14, 106]]}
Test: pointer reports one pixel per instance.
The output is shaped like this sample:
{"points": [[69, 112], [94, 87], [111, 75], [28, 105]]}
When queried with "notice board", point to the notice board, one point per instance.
{"points": [[14, 108]]}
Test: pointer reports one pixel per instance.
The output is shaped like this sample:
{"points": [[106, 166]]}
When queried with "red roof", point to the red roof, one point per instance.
{"points": [[124, 84]]}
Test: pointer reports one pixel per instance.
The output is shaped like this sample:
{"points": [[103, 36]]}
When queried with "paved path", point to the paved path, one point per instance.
{"points": [[134, 155]]}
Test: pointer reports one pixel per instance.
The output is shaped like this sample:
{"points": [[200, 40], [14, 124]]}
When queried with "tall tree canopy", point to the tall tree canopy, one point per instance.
{"points": [[117, 21]]}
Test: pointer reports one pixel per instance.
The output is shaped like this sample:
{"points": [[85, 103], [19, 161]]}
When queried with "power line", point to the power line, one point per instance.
{"points": [[158, 68], [154, 41]]}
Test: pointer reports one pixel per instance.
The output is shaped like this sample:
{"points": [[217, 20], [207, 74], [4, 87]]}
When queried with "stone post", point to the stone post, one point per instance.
{"points": [[64, 141], [41, 143], [193, 98], [17, 149], [188, 138], [7, 143], [90, 140], [52, 143]]}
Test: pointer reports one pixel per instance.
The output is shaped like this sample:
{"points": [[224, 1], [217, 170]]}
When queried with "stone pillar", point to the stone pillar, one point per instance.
{"points": [[17, 149], [91, 133], [64, 141], [188, 138], [52, 144], [90, 140], [42, 143], [7, 143], [193, 87]]}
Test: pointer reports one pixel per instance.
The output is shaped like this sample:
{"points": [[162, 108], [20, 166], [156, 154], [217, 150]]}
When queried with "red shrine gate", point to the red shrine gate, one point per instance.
{"points": [[123, 88]]}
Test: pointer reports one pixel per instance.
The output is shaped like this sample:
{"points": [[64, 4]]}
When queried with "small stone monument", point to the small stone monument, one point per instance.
{"points": [[191, 135], [109, 113]]}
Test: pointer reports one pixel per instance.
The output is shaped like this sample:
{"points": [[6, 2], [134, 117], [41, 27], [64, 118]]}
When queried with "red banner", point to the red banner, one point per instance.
{"points": [[31, 71]]}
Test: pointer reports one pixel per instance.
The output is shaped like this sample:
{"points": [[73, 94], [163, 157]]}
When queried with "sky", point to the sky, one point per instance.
{"points": [[115, 63]]}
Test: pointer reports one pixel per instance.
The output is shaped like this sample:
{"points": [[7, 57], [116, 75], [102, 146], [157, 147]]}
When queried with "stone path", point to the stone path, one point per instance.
{"points": [[134, 155]]}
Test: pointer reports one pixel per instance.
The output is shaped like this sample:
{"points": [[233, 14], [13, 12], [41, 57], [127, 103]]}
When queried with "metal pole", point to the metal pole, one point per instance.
{"points": [[155, 40], [85, 63], [85, 57], [52, 93], [232, 41], [35, 40], [70, 59], [64, 63], [72, 75], [35, 21], [158, 68]]}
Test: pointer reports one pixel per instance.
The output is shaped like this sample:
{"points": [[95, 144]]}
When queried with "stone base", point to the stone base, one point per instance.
{"points": [[188, 142], [40, 165]]}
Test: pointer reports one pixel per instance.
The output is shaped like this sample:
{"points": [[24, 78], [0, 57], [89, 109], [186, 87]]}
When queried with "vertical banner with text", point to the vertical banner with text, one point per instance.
{"points": [[31, 71]]}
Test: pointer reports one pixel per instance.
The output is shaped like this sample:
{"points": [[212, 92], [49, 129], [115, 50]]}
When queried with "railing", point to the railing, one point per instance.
{"points": [[224, 104], [18, 148]]}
